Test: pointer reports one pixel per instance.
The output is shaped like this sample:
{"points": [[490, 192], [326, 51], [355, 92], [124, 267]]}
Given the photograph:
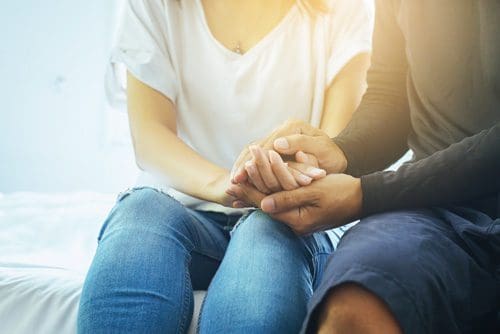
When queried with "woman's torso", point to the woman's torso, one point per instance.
{"points": [[225, 100]]}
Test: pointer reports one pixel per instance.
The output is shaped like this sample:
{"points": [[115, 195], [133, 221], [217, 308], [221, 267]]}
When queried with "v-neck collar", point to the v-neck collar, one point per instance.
{"points": [[256, 47]]}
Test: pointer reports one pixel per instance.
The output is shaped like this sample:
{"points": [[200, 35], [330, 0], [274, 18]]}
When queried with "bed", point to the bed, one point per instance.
{"points": [[47, 242]]}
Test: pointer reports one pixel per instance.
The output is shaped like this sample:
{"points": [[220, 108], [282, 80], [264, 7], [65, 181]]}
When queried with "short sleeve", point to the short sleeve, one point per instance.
{"points": [[142, 45], [350, 32]]}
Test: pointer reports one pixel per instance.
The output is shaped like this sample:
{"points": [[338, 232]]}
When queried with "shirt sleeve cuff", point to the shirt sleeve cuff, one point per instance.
{"points": [[349, 149], [374, 200], [149, 68], [341, 60]]}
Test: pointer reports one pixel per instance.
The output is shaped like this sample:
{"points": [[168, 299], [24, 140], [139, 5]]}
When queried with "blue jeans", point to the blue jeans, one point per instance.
{"points": [[153, 252]]}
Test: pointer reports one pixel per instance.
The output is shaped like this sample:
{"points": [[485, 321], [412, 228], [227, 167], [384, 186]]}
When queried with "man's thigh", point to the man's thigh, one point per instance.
{"points": [[435, 269]]}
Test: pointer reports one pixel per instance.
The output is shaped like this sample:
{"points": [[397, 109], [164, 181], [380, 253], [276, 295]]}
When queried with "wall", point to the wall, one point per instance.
{"points": [[57, 132]]}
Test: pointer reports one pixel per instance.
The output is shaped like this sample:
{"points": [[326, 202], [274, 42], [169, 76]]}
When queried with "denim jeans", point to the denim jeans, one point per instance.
{"points": [[153, 252]]}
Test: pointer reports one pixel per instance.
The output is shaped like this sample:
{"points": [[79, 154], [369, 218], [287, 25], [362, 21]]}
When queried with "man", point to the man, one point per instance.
{"points": [[425, 256]]}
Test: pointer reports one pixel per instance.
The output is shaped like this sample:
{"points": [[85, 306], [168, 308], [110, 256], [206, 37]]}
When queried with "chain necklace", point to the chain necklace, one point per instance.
{"points": [[238, 49]]}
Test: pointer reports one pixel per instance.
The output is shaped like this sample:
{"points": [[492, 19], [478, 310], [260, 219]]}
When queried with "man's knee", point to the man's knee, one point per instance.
{"points": [[350, 308]]}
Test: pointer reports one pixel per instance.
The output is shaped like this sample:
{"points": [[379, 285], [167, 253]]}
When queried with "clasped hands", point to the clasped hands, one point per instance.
{"points": [[295, 175]]}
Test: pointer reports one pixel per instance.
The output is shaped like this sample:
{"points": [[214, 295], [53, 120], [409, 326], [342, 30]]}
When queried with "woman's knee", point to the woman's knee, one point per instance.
{"points": [[146, 210], [258, 224], [260, 231]]}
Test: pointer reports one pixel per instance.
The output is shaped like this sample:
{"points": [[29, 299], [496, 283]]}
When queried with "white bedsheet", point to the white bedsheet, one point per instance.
{"points": [[47, 242]]}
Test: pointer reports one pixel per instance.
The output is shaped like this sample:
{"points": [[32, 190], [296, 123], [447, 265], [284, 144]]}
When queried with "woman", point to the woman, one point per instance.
{"points": [[205, 78]]}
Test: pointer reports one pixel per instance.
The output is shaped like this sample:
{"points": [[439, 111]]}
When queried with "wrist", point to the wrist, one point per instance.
{"points": [[337, 160], [215, 189]]}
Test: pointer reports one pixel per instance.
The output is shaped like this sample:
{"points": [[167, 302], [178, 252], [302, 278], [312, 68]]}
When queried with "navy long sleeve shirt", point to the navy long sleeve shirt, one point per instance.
{"points": [[433, 87]]}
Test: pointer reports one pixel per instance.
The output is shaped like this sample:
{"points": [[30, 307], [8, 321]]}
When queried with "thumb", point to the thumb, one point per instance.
{"points": [[294, 143], [287, 200]]}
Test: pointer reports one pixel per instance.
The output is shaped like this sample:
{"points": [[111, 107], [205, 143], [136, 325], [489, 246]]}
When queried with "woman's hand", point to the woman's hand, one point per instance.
{"points": [[238, 173], [269, 173]]}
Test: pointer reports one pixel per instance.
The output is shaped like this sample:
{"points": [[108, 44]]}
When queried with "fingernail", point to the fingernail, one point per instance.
{"points": [[305, 178], [301, 156], [274, 157], [268, 205], [281, 144], [316, 172]]}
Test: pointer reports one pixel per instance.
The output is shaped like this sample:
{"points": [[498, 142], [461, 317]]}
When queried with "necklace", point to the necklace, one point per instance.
{"points": [[277, 13]]}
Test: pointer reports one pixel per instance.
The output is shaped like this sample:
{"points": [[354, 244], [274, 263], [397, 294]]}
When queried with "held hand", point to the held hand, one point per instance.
{"points": [[269, 173], [239, 174], [330, 202]]}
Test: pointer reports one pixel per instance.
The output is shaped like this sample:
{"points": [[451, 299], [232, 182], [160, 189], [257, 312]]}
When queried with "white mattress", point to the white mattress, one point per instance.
{"points": [[47, 242]]}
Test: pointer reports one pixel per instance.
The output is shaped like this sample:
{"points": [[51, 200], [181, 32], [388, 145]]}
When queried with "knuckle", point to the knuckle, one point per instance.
{"points": [[275, 188], [287, 198], [294, 124]]}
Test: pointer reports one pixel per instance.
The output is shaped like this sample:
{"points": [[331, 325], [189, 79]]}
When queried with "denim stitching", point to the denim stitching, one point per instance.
{"points": [[198, 323], [185, 304], [131, 190], [241, 221]]}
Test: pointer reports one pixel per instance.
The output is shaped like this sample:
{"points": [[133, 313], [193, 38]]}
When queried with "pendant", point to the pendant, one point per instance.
{"points": [[238, 49]]}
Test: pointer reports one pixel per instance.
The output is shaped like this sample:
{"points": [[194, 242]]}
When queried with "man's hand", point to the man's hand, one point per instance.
{"points": [[239, 174], [319, 147], [330, 202]]}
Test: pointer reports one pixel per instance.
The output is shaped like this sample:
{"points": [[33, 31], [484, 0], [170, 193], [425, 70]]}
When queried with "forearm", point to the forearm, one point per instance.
{"points": [[160, 152], [465, 171], [344, 95], [336, 121], [158, 149]]}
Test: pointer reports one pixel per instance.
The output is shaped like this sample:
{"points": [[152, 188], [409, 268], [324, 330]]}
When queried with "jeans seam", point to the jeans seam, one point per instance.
{"points": [[315, 267], [198, 323], [185, 304]]}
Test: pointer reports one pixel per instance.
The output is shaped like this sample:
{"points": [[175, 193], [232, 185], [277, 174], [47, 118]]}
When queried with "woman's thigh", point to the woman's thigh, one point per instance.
{"points": [[140, 274], [266, 278]]}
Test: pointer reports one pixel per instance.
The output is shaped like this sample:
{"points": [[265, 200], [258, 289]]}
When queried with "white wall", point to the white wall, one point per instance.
{"points": [[54, 119]]}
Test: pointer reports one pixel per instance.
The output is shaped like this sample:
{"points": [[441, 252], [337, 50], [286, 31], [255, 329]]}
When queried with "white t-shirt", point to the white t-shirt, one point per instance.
{"points": [[225, 100]]}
